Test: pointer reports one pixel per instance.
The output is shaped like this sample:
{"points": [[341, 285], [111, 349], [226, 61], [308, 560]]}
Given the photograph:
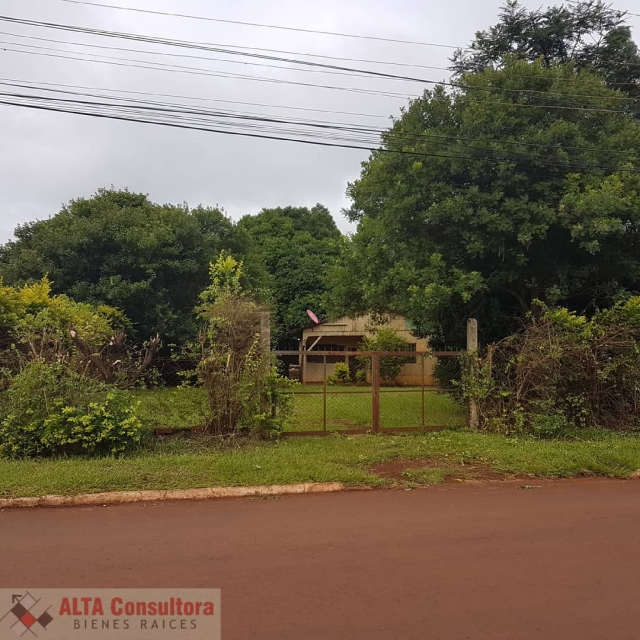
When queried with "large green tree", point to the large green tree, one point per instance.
{"points": [[297, 245], [119, 248], [588, 34], [490, 197]]}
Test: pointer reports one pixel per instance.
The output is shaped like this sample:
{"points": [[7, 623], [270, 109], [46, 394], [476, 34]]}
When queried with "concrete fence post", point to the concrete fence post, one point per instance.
{"points": [[265, 332], [265, 347], [472, 353]]}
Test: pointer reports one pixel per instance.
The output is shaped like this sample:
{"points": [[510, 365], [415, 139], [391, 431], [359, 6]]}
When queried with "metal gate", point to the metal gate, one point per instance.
{"points": [[423, 396]]}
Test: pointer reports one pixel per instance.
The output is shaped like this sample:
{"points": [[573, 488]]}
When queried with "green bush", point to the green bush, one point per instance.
{"points": [[341, 374], [385, 339], [361, 376], [109, 428], [50, 410]]}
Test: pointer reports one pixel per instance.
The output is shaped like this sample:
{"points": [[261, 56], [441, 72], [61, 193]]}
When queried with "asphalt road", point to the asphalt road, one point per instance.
{"points": [[481, 562]]}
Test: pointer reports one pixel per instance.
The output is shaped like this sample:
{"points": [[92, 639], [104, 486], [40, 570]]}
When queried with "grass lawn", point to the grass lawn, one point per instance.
{"points": [[187, 463], [347, 408], [351, 408], [174, 408]]}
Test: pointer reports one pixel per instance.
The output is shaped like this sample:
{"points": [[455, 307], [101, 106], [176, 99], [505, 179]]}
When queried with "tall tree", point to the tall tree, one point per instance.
{"points": [[589, 34], [119, 248], [297, 245], [488, 198]]}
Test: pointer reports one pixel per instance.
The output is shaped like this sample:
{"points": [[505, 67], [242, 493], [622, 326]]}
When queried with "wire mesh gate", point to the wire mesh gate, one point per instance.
{"points": [[373, 391]]}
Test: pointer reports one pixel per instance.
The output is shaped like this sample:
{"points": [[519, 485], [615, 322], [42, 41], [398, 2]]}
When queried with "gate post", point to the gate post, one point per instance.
{"points": [[472, 354], [375, 387]]}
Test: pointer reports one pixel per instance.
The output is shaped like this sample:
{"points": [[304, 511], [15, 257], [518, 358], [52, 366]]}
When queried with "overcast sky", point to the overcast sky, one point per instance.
{"points": [[49, 158]]}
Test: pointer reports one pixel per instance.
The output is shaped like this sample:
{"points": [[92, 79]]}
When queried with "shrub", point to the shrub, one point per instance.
{"points": [[385, 339], [361, 376], [341, 374], [49, 410], [563, 372], [245, 391], [37, 325], [109, 427]]}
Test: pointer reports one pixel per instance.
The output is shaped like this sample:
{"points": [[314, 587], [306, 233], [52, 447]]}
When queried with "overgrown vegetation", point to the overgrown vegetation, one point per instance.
{"points": [[49, 409], [120, 249], [60, 362], [245, 391], [36, 325], [564, 372]]}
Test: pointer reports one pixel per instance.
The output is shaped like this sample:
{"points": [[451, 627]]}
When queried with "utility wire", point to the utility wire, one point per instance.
{"points": [[207, 45], [173, 55], [354, 138], [389, 134], [203, 72], [349, 89], [257, 24], [142, 64], [196, 98], [328, 68], [367, 72], [269, 26]]}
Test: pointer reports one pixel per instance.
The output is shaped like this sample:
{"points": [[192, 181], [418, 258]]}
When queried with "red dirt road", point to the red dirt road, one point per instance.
{"points": [[479, 562]]}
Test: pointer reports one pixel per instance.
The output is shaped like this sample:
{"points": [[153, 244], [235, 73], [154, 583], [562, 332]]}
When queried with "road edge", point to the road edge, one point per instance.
{"points": [[163, 495]]}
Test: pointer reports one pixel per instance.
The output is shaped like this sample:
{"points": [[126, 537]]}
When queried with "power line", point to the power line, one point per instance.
{"points": [[391, 136], [205, 45], [48, 87], [326, 68], [191, 120], [165, 54], [142, 64], [192, 45], [366, 72], [254, 24], [222, 74], [257, 24], [203, 72], [182, 97], [173, 108]]}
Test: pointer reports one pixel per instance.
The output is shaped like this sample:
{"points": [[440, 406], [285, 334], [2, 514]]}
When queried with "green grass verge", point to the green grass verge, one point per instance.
{"points": [[184, 463]]}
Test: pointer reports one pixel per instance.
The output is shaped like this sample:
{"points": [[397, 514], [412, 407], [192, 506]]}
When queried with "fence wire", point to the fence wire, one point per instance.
{"points": [[353, 391]]}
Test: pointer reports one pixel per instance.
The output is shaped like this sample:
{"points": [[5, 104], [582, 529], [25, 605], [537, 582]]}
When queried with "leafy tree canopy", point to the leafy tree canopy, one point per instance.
{"points": [[484, 201], [297, 245], [120, 249], [587, 34]]}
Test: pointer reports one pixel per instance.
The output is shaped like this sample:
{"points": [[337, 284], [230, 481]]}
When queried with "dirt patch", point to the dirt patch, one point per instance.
{"points": [[418, 471]]}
